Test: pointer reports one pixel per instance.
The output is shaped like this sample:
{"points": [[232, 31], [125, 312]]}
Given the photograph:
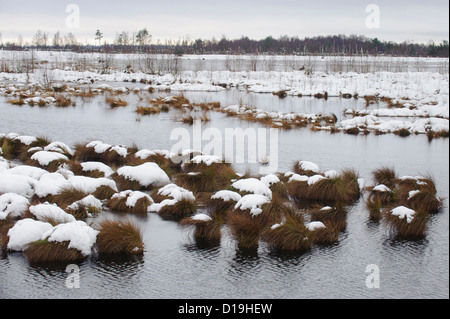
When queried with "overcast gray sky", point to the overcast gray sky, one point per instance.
{"points": [[400, 20]]}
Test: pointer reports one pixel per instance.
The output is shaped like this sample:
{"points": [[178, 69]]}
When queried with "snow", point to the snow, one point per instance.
{"points": [[144, 154], [382, 188], [27, 140], [147, 174], [50, 184], [46, 157], [88, 201], [315, 226], [132, 197], [31, 171], [254, 186], [177, 194], [309, 166], [206, 159], [99, 146], [99, 166], [314, 179], [47, 211], [331, 174], [270, 179], [298, 178], [252, 202], [403, 212], [326, 208], [12, 205], [79, 235], [59, 147], [201, 217], [227, 196], [89, 185], [122, 151], [26, 231], [19, 184]]}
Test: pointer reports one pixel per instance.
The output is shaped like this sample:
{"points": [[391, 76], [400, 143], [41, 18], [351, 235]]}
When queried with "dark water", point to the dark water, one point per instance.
{"points": [[174, 267]]}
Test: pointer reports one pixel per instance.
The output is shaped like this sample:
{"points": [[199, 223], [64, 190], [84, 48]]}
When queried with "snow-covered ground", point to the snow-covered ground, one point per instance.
{"points": [[421, 96]]}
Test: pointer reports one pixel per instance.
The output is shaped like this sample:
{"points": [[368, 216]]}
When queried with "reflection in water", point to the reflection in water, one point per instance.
{"points": [[174, 265]]}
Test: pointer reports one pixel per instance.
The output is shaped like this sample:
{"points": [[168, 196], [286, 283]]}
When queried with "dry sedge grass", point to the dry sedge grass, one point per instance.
{"points": [[5, 226], [399, 228], [205, 232], [245, 229], [385, 176], [206, 178], [292, 235], [66, 197], [425, 202], [52, 167], [335, 219], [43, 251], [119, 237], [183, 208], [342, 189], [104, 192], [114, 101]]}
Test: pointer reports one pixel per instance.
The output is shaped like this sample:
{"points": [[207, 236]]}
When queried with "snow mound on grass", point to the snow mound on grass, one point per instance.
{"points": [[89, 185], [147, 174], [227, 196], [25, 139], [298, 178], [88, 201], [403, 212], [132, 197], [47, 211], [46, 157], [309, 166], [176, 193], [12, 205], [31, 171], [206, 159], [97, 166], [26, 231], [270, 179], [59, 147], [79, 235], [50, 184], [312, 226], [144, 154], [314, 179], [254, 186], [18, 184], [98, 146], [252, 202], [382, 188]]}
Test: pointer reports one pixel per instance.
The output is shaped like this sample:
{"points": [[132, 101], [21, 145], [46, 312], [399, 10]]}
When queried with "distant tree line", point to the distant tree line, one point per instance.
{"points": [[141, 42]]}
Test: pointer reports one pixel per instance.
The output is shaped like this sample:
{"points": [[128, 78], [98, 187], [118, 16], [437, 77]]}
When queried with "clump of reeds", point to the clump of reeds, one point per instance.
{"points": [[334, 218], [43, 251], [119, 237], [401, 228], [245, 229], [66, 197], [115, 101], [204, 178], [5, 226], [77, 169], [206, 232], [103, 192], [179, 210], [119, 203], [291, 235], [63, 101], [385, 176]]}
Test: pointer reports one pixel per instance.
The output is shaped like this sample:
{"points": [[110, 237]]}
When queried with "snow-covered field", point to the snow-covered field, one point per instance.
{"points": [[420, 96]]}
